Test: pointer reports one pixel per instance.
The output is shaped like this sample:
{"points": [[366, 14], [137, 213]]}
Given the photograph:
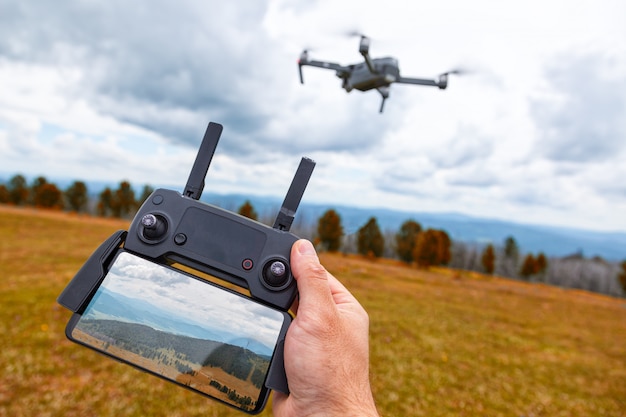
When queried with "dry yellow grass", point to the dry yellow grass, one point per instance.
{"points": [[442, 342]]}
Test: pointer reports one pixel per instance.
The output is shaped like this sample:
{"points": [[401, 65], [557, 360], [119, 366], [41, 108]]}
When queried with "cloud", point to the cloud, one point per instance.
{"points": [[112, 90], [583, 116], [462, 160], [170, 68], [192, 299], [162, 66], [467, 146]]}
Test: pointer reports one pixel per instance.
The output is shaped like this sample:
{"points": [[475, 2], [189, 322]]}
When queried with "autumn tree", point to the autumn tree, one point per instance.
{"points": [[529, 266], [5, 196], [370, 240], [489, 259], [35, 188], [330, 230], [533, 265], [406, 239], [76, 196], [123, 202], [432, 247], [247, 210], [48, 196], [444, 255], [45, 194], [622, 276], [426, 251], [541, 265], [18, 190], [105, 200]]}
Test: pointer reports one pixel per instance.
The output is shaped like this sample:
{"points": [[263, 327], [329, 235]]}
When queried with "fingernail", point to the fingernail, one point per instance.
{"points": [[306, 248]]}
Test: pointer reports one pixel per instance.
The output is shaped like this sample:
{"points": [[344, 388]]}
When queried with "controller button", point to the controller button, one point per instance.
{"points": [[154, 226], [275, 274], [180, 239], [247, 264], [278, 269], [149, 221], [157, 199]]}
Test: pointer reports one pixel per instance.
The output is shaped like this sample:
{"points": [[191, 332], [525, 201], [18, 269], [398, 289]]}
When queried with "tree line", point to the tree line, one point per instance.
{"points": [[412, 244], [120, 202], [423, 248]]}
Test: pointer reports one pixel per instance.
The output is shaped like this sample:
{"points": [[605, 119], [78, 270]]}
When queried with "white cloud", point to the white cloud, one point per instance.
{"points": [[192, 300], [111, 91]]}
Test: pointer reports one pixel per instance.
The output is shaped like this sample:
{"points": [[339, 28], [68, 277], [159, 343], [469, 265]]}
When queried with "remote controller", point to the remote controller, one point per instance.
{"points": [[173, 228]]}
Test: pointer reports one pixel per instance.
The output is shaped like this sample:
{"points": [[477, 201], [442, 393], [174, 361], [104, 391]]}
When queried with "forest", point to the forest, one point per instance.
{"points": [[178, 351], [412, 244]]}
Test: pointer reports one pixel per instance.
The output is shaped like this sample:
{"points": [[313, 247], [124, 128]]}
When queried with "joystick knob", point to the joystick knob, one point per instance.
{"points": [[149, 221], [154, 226], [276, 273]]}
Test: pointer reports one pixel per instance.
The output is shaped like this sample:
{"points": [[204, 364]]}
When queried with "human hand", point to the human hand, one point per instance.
{"points": [[326, 347]]}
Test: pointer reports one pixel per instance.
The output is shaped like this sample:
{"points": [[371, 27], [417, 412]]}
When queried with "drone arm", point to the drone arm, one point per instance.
{"points": [[364, 49], [320, 64], [418, 81], [384, 92], [442, 82], [369, 63], [323, 64]]}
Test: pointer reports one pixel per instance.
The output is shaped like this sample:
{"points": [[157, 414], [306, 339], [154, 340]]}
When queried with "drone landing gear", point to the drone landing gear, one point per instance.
{"points": [[384, 92]]}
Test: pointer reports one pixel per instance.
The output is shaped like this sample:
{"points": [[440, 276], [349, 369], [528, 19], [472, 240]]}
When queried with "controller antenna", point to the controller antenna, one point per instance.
{"points": [[195, 183], [294, 195]]}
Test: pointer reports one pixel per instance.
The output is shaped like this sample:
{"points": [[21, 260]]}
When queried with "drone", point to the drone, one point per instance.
{"points": [[378, 73]]}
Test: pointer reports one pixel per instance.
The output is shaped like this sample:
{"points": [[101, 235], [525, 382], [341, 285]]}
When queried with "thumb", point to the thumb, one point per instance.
{"points": [[311, 276]]}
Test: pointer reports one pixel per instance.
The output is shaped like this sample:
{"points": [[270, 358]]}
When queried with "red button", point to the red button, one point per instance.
{"points": [[247, 264]]}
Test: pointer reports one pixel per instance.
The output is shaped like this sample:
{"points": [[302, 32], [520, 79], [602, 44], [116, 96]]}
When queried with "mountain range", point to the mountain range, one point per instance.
{"points": [[110, 305], [552, 241]]}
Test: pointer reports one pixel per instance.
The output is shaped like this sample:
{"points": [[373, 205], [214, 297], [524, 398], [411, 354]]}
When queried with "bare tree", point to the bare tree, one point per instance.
{"points": [[587, 274]]}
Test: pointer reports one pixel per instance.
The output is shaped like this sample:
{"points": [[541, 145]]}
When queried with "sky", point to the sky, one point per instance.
{"points": [[534, 131], [179, 296]]}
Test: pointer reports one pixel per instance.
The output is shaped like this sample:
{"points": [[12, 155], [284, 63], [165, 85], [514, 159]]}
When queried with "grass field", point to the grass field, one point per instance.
{"points": [[443, 342]]}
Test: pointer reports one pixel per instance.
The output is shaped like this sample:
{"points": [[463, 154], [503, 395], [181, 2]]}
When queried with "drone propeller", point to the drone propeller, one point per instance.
{"points": [[457, 71], [364, 47], [350, 33], [442, 83], [304, 55]]}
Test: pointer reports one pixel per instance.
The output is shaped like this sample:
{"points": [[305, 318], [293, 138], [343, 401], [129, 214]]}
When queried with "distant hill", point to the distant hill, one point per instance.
{"points": [[135, 337], [115, 306], [553, 241]]}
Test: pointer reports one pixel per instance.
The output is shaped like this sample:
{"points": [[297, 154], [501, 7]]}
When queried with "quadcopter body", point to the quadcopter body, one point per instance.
{"points": [[377, 73]]}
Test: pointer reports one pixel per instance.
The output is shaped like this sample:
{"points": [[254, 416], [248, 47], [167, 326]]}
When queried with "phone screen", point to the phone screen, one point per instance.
{"points": [[183, 329]]}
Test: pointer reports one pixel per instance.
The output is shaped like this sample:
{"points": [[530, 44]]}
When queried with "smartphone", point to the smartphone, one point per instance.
{"points": [[184, 329]]}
